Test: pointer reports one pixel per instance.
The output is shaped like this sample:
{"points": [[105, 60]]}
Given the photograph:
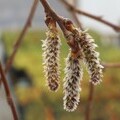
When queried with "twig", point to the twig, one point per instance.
{"points": [[111, 65], [52, 13], [61, 22], [21, 36], [73, 13], [94, 17], [8, 94], [90, 100], [49, 113]]}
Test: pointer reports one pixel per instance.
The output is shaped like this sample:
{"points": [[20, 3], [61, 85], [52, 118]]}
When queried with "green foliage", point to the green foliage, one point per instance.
{"points": [[106, 97]]}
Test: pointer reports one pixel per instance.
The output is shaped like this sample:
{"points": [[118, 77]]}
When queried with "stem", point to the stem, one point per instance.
{"points": [[8, 94], [21, 36], [90, 100], [94, 17], [111, 65]]}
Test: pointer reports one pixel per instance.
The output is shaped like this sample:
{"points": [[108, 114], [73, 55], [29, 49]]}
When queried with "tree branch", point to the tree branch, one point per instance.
{"points": [[111, 65], [21, 36], [8, 94], [94, 17], [90, 100]]}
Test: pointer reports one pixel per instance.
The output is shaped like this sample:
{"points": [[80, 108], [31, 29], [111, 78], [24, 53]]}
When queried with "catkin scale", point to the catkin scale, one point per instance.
{"points": [[51, 47], [71, 86]]}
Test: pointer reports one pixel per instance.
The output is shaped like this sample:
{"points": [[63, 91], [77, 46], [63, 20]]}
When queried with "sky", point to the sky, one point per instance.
{"points": [[108, 9], [14, 12]]}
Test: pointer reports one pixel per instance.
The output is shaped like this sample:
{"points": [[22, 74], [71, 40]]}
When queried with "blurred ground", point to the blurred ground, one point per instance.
{"points": [[41, 104]]}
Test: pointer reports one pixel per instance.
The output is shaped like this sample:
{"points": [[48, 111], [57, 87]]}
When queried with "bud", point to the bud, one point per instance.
{"points": [[73, 76], [51, 50]]}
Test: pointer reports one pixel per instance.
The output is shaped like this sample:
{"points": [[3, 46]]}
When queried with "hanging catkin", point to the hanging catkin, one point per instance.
{"points": [[91, 57], [73, 76], [51, 47]]}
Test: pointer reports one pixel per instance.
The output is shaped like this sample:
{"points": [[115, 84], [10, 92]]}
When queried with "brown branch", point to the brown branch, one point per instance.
{"points": [[63, 23], [49, 113], [111, 65], [94, 17], [90, 100], [21, 36], [8, 94]]}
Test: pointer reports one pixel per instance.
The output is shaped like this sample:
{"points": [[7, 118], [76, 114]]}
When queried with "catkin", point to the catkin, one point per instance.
{"points": [[51, 50], [73, 76], [91, 57]]}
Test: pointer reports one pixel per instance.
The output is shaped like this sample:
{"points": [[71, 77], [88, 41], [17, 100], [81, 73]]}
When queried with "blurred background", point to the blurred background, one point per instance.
{"points": [[26, 77]]}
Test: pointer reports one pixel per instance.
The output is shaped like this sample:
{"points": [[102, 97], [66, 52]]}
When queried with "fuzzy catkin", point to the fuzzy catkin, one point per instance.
{"points": [[51, 50], [92, 60], [71, 86]]}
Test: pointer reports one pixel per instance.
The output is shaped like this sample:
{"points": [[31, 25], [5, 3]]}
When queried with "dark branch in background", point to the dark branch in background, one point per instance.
{"points": [[21, 36], [97, 18], [11, 58], [111, 65], [8, 94], [90, 101]]}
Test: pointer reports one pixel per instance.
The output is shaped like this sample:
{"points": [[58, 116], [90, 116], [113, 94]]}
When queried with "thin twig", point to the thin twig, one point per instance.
{"points": [[90, 100], [8, 94], [94, 17], [73, 13], [21, 36], [111, 65]]}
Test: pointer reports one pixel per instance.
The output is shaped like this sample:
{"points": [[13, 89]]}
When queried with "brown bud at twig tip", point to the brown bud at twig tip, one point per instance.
{"points": [[69, 25], [73, 76], [51, 47]]}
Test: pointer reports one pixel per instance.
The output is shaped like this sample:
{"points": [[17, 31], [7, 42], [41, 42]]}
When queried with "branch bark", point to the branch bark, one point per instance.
{"points": [[8, 94], [90, 100], [111, 65], [52, 13]]}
